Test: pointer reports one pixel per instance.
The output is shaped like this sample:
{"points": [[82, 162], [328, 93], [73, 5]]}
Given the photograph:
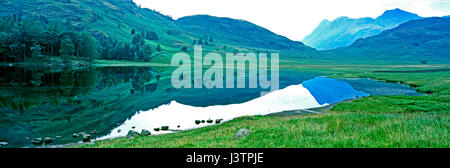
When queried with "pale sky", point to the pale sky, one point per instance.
{"points": [[293, 18]]}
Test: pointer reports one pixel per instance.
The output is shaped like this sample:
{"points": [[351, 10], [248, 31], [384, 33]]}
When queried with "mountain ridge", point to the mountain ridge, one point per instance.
{"points": [[238, 31], [343, 31], [415, 40]]}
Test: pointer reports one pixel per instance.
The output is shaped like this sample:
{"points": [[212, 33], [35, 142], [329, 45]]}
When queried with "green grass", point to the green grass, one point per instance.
{"points": [[371, 122]]}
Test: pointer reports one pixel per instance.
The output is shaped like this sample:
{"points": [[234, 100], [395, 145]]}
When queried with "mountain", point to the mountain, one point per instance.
{"points": [[415, 40], [343, 31], [238, 32], [392, 18]]}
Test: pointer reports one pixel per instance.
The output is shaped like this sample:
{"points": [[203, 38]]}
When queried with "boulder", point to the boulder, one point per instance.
{"points": [[3, 143], [145, 132], [210, 121], [119, 130], [242, 133], [86, 138], [198, 122], [48, 140], [75, 135], [132, 134], [156, 129], [165, 128], [36, 141], [203, 121]]}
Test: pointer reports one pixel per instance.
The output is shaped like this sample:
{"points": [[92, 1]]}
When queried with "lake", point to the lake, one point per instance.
{"points": [[38, 103]]}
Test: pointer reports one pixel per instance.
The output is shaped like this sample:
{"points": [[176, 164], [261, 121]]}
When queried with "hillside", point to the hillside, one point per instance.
{"points": [[125, 31], [343, 31], [238, 32], [424, 39]]}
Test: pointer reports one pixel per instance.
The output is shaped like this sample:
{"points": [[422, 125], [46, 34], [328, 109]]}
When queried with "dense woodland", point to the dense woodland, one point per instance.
{"points": [[38, 40]]}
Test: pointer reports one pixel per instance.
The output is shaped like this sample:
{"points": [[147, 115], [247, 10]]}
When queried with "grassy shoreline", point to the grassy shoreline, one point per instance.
{"points": [[376, 121]]}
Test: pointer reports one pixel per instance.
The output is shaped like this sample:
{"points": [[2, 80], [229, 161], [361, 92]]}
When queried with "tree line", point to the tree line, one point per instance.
{"points": [[36, 39], [28, 39], [136, 50]]}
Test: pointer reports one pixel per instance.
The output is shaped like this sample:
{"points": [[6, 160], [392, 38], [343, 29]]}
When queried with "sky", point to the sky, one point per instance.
{"points": [[293, 18]]}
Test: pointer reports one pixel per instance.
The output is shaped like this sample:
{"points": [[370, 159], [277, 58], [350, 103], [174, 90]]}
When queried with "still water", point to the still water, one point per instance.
{"points": [[37, 103]]}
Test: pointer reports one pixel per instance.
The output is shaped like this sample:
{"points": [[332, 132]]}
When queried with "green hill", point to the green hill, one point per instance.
{"points": [[344, 31], [238, 32], [125, 31]]}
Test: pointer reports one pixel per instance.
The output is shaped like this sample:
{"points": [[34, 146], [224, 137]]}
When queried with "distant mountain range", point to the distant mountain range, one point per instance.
{"points": [[415, 40], [343, 31]]}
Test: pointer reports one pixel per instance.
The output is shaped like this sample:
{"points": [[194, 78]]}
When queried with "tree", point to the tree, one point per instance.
{"points": [[53, 36], [137, 40], [88, 47], [423, 62], [67, 48], [151, 36], [29, 30], [36, 51], [147, 51]]}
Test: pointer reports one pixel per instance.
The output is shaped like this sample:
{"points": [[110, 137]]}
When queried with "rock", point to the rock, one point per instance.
{"points": [[145, 132], [75, 135], [36, 141], [165, 128], [26, 138], [178, 126], [218, 121], [210, 121], [198, 122], [242, 133], [81, 133], [119, 130], [132, 134], [156, 129], [86, 138], [3, 143], [48, 140], [58, 137], [133, 127], [203, 121]]}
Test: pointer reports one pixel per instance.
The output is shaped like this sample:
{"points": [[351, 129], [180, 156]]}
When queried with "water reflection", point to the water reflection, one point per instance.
{"points": [[50, 103], [38, 103]]}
